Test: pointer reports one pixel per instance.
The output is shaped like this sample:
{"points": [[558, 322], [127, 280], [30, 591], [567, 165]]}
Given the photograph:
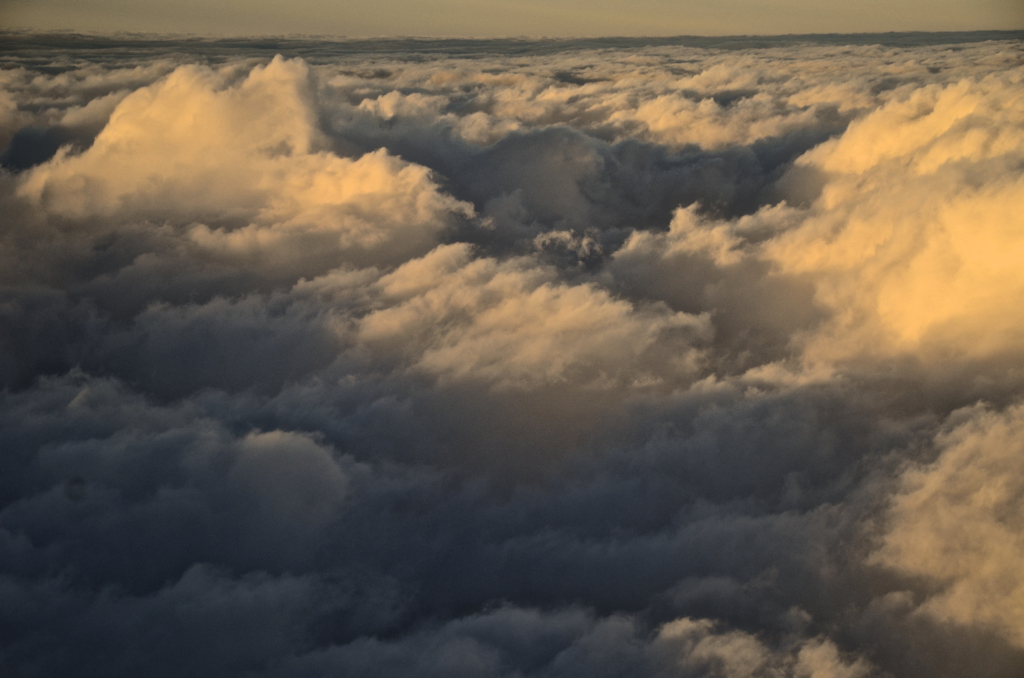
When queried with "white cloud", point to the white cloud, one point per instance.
{"points": [[195, 147], [959, 521], [700, 650], [912, 241], [515, 325]]}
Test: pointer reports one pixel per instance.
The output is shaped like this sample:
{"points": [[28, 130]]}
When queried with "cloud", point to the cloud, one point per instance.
{"points": [[511, 359], [912, 231], [515, 325], [193, 147], [958, 520], [514, 641]]}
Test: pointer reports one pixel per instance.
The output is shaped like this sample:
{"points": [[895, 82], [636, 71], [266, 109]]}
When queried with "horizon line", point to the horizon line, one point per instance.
{"points": [[154, 35]]}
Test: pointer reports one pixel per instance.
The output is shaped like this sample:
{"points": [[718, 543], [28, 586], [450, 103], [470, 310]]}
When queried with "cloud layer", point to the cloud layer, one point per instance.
{"points": [[638, 360]]}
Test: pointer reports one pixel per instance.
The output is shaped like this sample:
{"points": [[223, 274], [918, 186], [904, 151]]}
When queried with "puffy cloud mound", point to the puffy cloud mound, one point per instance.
{"points": [[514, 324], [512, 358], [960, 522], [913, 236], [197, 147]]}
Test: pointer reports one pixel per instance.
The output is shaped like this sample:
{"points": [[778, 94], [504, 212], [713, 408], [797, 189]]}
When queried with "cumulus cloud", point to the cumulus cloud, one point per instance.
{"points": [[958, 519], [515, 324], [194, 148], [912, 234], [512, 358]]}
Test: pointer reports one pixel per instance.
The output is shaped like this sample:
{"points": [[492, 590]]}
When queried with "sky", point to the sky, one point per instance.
{"points": [[504, 18]]}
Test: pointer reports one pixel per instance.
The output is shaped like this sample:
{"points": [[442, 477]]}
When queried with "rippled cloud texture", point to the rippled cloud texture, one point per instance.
{"points": [[515, 359]]}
